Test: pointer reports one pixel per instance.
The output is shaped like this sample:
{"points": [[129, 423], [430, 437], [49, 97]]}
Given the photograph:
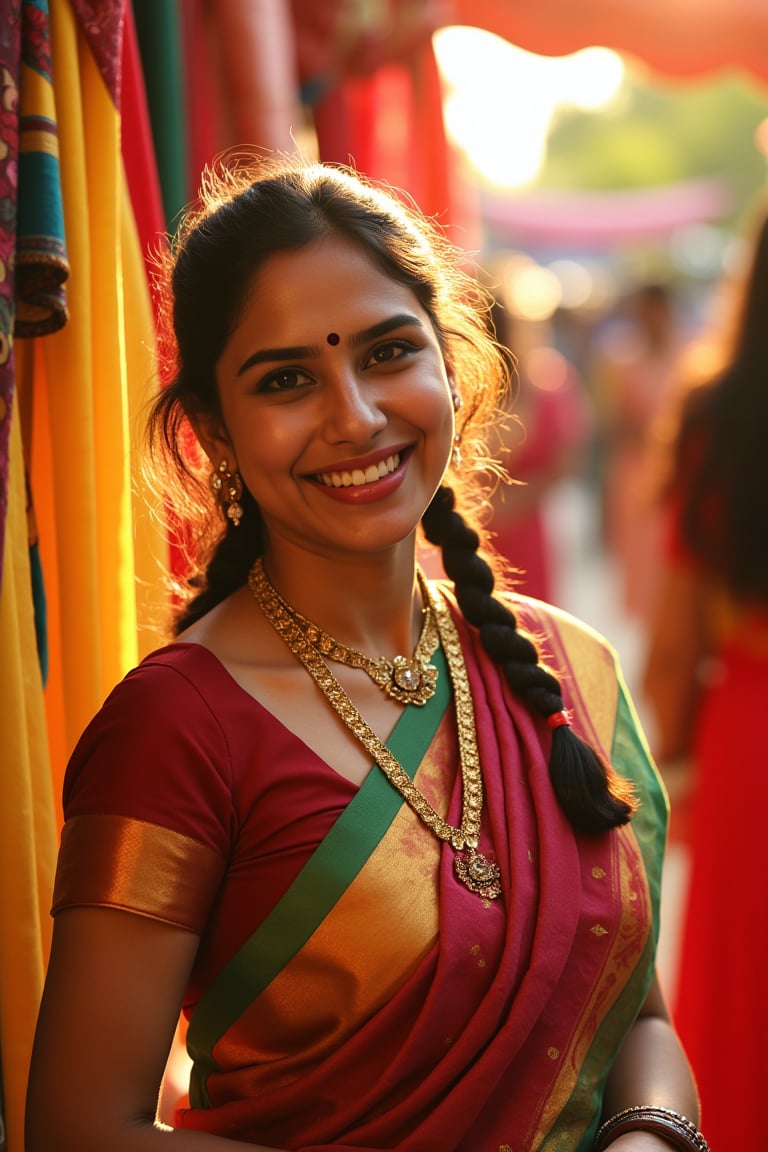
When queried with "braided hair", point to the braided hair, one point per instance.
{"points": [[247, 214], [592, 795]]}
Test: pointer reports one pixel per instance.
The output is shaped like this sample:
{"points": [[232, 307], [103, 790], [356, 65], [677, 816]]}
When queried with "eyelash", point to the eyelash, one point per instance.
{"points": [[272, 382], [402, 345], [278, 381]]}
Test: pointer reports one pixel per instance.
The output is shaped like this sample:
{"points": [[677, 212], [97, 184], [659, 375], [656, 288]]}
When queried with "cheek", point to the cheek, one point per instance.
{"points": [[439, 428], [444, 415], [267, 447]]}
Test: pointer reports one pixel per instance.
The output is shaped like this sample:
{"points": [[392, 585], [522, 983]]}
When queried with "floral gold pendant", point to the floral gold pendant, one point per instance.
{"points": [[409, 681], [478, 873]]}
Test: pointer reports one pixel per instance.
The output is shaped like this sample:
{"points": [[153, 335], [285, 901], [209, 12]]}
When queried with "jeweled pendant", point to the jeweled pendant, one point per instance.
{"points": [[411, 682], [478, 873]]}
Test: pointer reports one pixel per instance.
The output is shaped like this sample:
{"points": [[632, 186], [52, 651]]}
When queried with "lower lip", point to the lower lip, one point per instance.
{"points": [[366, 493]]}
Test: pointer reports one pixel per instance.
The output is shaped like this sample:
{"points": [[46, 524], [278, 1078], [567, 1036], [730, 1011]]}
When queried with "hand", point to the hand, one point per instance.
{"points": [[639, 1141]]}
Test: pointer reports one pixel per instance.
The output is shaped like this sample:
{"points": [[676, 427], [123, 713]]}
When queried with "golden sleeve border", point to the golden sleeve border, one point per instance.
{"points": [[119, 862]]}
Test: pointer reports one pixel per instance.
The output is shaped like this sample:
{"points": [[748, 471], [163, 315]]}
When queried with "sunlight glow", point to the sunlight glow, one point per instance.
{"points": [[500, 101], [534, 293]]}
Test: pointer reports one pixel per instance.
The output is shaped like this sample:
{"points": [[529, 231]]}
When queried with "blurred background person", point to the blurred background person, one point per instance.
{"points": [[706, 681], [544, 442], [636, 367]]}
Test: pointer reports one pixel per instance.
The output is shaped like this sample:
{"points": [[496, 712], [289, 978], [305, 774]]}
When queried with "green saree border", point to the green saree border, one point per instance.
{"points": [[327, 874], [630, 757]]}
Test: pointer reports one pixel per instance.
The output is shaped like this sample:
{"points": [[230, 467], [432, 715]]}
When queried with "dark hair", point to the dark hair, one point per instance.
{"points": [[247, 215], [721, 465]]}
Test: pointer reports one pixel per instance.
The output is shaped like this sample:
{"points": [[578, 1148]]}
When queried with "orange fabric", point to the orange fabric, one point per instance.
{"points": [[90, 382], [337, 976], [685, 38], [118, 862], [27, 828]]}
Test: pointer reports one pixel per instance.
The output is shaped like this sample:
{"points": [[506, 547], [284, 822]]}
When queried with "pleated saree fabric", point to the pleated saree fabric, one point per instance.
{"points": [[349, 991]]}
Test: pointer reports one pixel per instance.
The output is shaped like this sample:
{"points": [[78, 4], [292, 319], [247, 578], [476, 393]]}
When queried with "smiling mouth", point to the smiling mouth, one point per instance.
{"points": [[360, 476]]}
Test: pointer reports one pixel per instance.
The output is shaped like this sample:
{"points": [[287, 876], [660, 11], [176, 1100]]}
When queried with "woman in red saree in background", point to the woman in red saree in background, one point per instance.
{"points": [[707, 679], [403, 902]]}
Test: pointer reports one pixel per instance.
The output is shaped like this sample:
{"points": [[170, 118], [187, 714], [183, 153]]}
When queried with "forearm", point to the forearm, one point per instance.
{"points": [[103, 1035], [182, 1140], [651, 1070], [141, 1136]]}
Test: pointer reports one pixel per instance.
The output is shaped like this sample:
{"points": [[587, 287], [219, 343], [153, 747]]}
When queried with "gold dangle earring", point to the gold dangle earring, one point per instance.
{"points": [[456, 457], [228, 488]]}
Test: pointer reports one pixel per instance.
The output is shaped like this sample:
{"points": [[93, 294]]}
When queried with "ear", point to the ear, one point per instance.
{"points": [[455, 394], [213, 438]]}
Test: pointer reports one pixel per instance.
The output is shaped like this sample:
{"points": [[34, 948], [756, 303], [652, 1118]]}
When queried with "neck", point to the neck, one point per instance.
{"points": [[371, 604]]}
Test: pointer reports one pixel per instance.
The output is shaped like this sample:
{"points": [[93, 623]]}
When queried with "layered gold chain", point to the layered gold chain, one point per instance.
{"points": [[479, 874], [409, 680]]}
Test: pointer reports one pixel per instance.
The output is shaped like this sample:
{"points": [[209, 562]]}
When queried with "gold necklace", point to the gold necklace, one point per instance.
{"points": [[478, 873], [409, 680]]}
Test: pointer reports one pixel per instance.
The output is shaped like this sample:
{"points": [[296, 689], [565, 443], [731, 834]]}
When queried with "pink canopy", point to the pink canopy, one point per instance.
{"points": [[595, 220]]}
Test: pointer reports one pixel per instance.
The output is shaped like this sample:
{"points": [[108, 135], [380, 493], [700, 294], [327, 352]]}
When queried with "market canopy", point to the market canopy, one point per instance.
{"points": [[371, 76], [683, 38], [594, 220]]}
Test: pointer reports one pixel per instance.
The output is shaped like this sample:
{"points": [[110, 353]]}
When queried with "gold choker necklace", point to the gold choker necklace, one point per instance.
{"points": [[478, 873], [407, 680]]}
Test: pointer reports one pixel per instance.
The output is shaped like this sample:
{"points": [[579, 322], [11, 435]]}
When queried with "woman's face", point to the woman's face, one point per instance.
{"points": [[335, 400]]}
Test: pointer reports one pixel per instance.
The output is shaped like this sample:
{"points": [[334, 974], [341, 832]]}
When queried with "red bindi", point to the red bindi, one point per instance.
{"points": [[333, 338]]}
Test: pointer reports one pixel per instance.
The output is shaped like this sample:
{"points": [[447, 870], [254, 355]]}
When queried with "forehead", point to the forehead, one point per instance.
{"points": [[331, 284]]}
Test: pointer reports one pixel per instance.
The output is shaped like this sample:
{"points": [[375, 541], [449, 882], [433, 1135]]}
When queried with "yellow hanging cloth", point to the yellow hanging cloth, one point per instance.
{"points": [[84, 388]]}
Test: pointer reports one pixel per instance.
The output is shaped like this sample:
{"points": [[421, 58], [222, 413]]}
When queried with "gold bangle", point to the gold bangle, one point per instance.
{"points": [[673, 1127]]}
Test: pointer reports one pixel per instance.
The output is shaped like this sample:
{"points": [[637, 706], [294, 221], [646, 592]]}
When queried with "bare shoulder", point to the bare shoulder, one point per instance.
{"points": [[238, 634]]}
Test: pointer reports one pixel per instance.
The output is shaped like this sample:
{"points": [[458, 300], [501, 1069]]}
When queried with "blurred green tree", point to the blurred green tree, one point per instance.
{"points": [[656, 132]]}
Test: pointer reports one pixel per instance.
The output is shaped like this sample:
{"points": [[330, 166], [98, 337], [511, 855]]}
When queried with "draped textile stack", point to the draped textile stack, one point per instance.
{"points": [[77, 344]]}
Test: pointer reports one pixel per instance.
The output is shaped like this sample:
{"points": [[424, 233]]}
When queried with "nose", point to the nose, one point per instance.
{"points": [[353, 413]]}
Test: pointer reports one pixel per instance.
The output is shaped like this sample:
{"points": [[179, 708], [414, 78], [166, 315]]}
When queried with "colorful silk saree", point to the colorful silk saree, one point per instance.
{"points": [[349, 992]]}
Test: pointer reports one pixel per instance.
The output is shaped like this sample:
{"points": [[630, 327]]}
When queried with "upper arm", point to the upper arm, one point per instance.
{"points": [[112, 997], [651, 1067], [655, 1003]]}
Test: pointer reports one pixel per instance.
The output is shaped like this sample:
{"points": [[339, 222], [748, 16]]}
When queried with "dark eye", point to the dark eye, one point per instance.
{"points": [[284, 380], [390, 351]]}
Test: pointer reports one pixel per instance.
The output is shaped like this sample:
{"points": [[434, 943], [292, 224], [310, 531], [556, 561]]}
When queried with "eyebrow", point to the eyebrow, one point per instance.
{"points": [[307, 351], [401, 320], [298, 352]]}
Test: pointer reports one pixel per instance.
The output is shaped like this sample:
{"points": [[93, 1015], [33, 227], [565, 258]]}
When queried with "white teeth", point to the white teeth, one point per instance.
{"points": [[353, 479]]}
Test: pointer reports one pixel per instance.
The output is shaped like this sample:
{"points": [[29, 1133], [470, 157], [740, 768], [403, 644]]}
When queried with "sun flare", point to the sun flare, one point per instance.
{"points": [[500, 101]]}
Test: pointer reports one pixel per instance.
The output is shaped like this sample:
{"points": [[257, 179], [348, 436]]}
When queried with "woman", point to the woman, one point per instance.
{"points": [[707, 668], [399, 900]]}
